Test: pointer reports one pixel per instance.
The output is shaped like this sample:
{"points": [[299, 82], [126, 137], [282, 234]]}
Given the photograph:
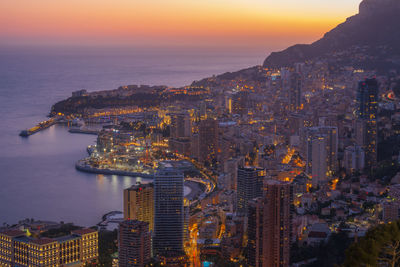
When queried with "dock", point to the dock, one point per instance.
{"points": [[39, 127], [83, 131]]}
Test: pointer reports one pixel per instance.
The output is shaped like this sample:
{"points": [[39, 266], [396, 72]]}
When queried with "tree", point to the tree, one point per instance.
{"points": [[326, 254], [107, 246], [379, 247]]}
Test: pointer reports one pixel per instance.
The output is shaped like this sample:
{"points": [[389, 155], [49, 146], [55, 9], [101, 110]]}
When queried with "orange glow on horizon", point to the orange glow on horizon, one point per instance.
{"points": [[164, 21]]}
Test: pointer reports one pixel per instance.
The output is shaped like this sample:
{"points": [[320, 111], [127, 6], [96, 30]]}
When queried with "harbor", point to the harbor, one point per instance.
{"points": [[84, 167], [77, 126]]}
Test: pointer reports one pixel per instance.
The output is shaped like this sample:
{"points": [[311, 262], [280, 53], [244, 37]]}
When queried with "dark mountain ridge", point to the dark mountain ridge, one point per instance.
{"points": [[376, 27]]}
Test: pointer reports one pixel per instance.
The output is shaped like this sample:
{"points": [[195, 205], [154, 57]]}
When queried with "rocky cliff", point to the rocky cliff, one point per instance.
{"points": [[376, 27]]}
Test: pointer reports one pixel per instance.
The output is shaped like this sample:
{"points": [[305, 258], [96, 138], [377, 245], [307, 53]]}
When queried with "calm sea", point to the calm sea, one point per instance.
{"points": [[37, 175]]}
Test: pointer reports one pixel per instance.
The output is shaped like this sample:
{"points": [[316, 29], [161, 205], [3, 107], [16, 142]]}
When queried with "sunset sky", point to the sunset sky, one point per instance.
{"points": [[170, 22]]}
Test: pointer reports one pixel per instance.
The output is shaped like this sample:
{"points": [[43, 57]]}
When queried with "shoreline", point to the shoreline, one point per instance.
{"points": [[196, 188], [85, 168], [83, 131]]}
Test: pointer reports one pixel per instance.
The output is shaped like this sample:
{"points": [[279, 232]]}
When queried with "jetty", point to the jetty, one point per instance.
{"points": [[39, 127], [83, 131]]}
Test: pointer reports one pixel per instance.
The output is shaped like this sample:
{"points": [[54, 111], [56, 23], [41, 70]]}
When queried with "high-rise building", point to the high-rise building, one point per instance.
{"points": [[19, 249], [354, 158], [139, 203], [241, 102], [208, 140], [360, 130], [269, 226], [367, 114], [181, 146], [277, 224], [255, 233], [228, 103], [319, 170], [181, 126], [203, 110], [231, 167], [134, 244], [168, 211], [295, 91], [249, 185], [180, 133], [186, 220], [320, 147]]}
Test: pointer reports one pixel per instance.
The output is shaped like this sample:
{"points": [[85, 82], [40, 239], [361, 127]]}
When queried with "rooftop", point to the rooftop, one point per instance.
{"points": [[84, 231], [13, 233], [315, 234], [42, 241], [66, 238], [140, 186], [23, 239]]}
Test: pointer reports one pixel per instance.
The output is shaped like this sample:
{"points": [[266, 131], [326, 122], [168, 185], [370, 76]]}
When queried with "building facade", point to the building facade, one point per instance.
{"points": [[249, 185], [181, 125], [277, 224], [208, 140], [354, 159], [367, 116], [269, 226], [319, 145], [134, 244], [76, 249], [255, 233], [295, 91], [168, 211], [139, 203]]}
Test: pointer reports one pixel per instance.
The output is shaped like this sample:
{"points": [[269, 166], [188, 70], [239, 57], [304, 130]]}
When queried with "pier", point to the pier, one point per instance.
{"points": [[83, 131], [40, 126]]}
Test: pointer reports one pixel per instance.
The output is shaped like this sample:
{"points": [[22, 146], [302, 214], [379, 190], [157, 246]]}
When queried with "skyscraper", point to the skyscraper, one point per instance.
{"points": [[319, 160], [255, 233], [320, 147], [249, 186], [277, 224], [180, 125], [269, 226], [180, 133], [295, 91], [169, 213], [231, 167], [354, 158], [134, 244], [139, 203], [208, 140], [367, 115]]}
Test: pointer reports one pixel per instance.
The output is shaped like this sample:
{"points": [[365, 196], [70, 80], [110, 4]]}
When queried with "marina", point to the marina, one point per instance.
{"points": [[84, 167]]}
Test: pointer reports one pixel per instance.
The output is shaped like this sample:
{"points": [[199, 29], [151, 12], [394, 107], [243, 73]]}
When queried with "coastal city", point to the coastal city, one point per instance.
{"points": [[259, 152], [275, 165]]}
